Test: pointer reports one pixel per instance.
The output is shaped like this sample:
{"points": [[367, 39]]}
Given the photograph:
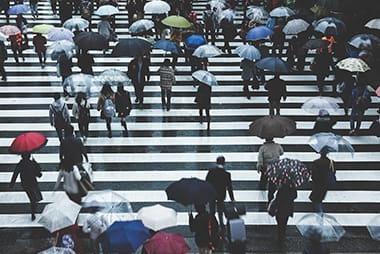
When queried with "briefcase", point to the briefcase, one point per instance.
{"points": [[234, 210]]}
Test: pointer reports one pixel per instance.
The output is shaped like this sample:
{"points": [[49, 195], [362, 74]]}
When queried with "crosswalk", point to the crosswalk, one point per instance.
{"points": [[166, 146]]}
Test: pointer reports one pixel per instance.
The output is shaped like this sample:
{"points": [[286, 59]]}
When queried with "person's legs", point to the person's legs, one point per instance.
{"points": [[277, 106], [59, 131], [352, 121], [39, 53], [359, 118], [163, 102], [271, 107], [246, 89], [220, 209], [168, 98], [201, 115], [320, 79], [108, 125], [75, 198], [271, 191], [212, 206], [318, 207], [281, 227], [208, 119], [2, 72]]}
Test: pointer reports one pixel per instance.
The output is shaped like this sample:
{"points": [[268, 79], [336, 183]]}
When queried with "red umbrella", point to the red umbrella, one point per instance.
{"points": [[28, 142], [165, 243]]}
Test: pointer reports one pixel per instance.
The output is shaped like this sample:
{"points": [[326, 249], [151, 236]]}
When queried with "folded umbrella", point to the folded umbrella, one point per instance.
{"points": [[205, 51], [272, 126], [18, 9], [314, 105], [42, 29], [295, 26], [90, 40], [9, 30], [166, 243], [288, 172], [373, 228], [273, 64], [353, 65], [156, 7], [331, 142], [78, 24], [205, 77], [282, 11], [141, 26], [258, 33], [132, 47], [60, 33], [157, 217], [61, 47], [28, 142], [194, 41], [169, 46], [106, 10], [248, 52], [57, 250]]}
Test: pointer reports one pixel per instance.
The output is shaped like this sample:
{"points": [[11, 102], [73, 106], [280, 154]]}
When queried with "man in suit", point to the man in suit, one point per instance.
{"points": [[138, 72], [221, 180]]}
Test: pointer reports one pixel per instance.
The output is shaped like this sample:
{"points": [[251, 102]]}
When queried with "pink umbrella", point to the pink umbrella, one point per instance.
{"points": [[165, 243], [9, 30], [378, 91]]}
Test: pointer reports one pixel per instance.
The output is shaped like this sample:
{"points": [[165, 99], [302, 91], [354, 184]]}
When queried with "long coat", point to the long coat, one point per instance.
{"points": [[203, 97], [221, 180], [133, 71], [320, 170], [247, 69], [285, 198], [123, 104]]}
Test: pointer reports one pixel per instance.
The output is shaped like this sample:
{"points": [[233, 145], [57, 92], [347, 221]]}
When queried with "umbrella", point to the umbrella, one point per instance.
{"points": [[61, 47], [113, 77], [131, 47], [106, 10], [58, 34], [18, 9], [167, 45], [79, 82], [314, 105], [166, 243], [227, 14], [316, 44], [353, 65], [258, 14], [9, 30], [320, 227], [42, 29], [59, 214], [3, 37], [189, 191], [289, 172], [194, 41], [156, 7], [331, 142], [124, 236], [378, 91], [273, 64], [157, 217], [258, 33], [295, 26], [361, 41], [329, 24], [76, 24], [205, 51], [90, 40], [141, 26], [205, 77], [272, 126], [27, 142], [282, 11], [176, 21], [373, 24], [373, 227], [218, 4], [248, 52], [57, 250]]}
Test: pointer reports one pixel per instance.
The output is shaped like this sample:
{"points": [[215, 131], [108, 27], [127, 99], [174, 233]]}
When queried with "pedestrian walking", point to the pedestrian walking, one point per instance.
{"points": [[131, 7], [123, 106], [203, 100], [324, 122], [220, 179], [210, 22], [34, 8], [64, 68], [285, 201], [81, 112], [3, 58], [72, 150], [95, 225], [65, 10], [53, 4], [4, 6], [16, 47], [248, 72], [138, 72], [39, 42], [278, 37], [86, 10], [106, 106], [29, 169], [104, 28], [176, 36], [321, 67], [22, 24], [167, 79], [229, 32], [269, 152], [361, 100], [85, 63], [59, 115], [276, 88]]}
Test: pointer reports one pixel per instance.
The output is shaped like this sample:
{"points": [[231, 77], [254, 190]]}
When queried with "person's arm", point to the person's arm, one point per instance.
{"points": [[60, 175], [260, 160], [14, 176], [83, 151], [191, 222], [229, 188], [99, 105]]}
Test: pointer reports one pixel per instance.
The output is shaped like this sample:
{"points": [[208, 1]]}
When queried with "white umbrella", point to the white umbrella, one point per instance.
{"points": [[314, 105], [156, 7], [76, 23], [57, 250], [295, 26], [281, 11], [114, 77], [205, 77], [79, 82], [106, 10], [3, 37], [331, 142], [206, 51], [373, 24], [373, 227], [228, 14], [141, 26], [258, 14], [248, 52], [353, 65], [59, 214], [157, 217], [60, 47]]}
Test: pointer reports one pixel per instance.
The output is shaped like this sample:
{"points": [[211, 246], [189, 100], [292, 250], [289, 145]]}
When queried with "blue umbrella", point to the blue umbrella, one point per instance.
{"points": [[124, 236], [169, 46], [194, 41], [258, 33], [18, 9], [273, 64]]}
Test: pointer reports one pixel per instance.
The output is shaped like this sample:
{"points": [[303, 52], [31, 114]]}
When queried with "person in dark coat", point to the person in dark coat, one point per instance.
{"points": [[39, 42], [85, 63], [4, 6], [220, 179], [65, 65], [248, 72], [276, 89], [131, 8], [229, 32], [123, 106], [278, 38], [357, 111], [203, 100], [138, 72], [3, 58], [322, 63], [65, 10], [285, 198], [324, 122], [28, 169]]}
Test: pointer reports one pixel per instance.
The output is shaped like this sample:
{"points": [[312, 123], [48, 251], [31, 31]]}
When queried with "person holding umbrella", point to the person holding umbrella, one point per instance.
{"points": [[276, 88], [16, 48], [28, 169], [39, 42], [3, 58], [322, 62], [22, 24], [81, 112], [285, 201], [123, 106], [59, 115], [138, 72], [248, 72]]}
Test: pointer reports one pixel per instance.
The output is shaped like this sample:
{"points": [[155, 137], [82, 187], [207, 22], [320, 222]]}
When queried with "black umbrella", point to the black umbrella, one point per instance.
{"points": [[274, 64], [90, 40], [132, 47], [189, 191], [272, 126], [316, 44]]}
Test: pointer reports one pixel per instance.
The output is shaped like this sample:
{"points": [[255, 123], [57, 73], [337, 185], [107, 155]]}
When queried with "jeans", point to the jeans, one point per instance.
{"points": [[166, 94], [358, 116]]}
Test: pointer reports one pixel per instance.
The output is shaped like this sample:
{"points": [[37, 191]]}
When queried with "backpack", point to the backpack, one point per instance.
{"points": [[362, 101], [83, 112], [208, 19], [59, 120], [193, 17], [108, 107]]}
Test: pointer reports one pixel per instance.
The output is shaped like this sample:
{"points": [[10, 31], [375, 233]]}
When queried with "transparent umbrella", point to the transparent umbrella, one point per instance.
{"points": [[314, 105], [205, 77], [295, 26], [114, 77], [141, 26], [76, 24], [61, 47], [205, 51], [157, 217], [80, 82], [248, 52], [330, 141], [57, 250], [373, 227], [157, 7], [257, 13]]}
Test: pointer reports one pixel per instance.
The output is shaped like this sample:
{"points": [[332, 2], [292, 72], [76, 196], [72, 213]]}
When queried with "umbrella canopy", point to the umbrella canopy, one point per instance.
{"points": [[124, 236], [295, 26], [76, 24], [157, 217], [282, 11], [316, 44], [3, 37], [331, 142], [61, 47], [258, 14], [189, 191], [90, 40], [365, 41], [57, 250], [169, 46], [330, 25], [141, 26], [205, 51], [373, 227], [258, 33], [176, 21], [106, 10], [28, 142], [320, 227], [166, 243], [353, 65], [227, 14], [373, 24], [79, 82], [205, 77], [248, 52], [9, 30], [60, 33], [18, 9], [59, 214], [42, 29], [156, 7], [314, 105], [273, 64], [378, 91], [113, 77], [131, 47], [272, 126], [218, 4], [288, 172], [194, 41]]}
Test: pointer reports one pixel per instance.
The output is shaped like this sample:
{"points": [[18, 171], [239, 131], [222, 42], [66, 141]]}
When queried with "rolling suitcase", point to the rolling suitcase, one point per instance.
{"points": [[236, 230]]}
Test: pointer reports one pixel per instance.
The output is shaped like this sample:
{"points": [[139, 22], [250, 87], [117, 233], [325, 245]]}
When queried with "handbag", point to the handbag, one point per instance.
{"points": [[331, 177], [233, 210], [273, 207]]}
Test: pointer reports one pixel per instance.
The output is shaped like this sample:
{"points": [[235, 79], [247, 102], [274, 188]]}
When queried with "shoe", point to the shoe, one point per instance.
{"points": [[84, 138], [168, 108], [42, 66], [351, 132], [4, 78], [136, 100], [125, 133], [110, 134], [33, 217]]}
